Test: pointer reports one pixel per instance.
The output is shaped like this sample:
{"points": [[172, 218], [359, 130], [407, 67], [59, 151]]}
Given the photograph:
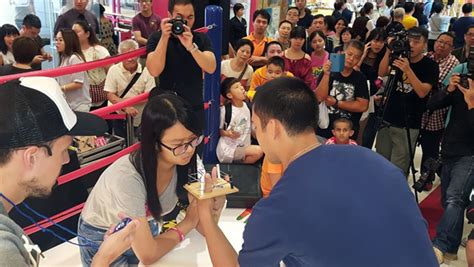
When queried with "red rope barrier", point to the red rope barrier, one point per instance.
{"points": [[126, 103], [96, 165], [56, 218], [114, 117], [78, 67]]}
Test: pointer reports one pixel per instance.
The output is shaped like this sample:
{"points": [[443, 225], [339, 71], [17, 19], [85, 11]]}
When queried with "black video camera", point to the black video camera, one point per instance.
{"points": [[177, 25], [400, 46], [431, 166], [464, 82]]}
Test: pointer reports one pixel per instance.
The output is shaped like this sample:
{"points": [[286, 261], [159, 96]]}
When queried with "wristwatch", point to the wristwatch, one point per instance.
{"points": [[195, 48]]}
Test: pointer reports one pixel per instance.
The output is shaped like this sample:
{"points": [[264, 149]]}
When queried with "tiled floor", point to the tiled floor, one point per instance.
{"points": [[461, 262]]}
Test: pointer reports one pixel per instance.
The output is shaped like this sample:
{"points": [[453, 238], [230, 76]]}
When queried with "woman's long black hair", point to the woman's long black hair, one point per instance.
{"points": [[160, 113], [5, 30]]}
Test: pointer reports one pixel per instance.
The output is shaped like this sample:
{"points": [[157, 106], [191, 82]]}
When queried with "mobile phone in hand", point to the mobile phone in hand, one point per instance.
{"points": [[337, 61], [122, 224]]}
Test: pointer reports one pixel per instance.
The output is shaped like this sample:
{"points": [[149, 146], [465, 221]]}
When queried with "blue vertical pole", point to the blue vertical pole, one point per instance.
{"points": [[213, 16]]}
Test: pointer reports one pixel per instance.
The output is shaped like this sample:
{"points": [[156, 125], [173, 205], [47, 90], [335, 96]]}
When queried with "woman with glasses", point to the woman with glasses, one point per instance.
{"points": [[148, 185]]}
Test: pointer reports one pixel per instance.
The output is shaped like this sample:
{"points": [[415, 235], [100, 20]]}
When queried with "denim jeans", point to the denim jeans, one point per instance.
{"points": [[457, 176], [97, 235]]}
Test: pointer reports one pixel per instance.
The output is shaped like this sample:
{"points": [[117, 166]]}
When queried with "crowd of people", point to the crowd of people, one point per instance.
{"points": [[334, 80]]}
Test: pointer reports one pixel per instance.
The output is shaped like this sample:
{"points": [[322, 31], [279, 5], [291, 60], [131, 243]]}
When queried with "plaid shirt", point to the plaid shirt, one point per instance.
{"points": [[434, 120]]}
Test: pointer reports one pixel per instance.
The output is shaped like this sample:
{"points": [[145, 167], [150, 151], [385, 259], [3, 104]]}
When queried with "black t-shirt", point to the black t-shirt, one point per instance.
{"points": [[10, 69], [182, 74], [346, 89], [306, 20], [427, 71]]}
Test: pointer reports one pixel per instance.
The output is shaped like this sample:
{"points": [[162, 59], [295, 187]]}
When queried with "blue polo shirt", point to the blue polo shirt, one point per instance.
{"points": [[338, 206]]}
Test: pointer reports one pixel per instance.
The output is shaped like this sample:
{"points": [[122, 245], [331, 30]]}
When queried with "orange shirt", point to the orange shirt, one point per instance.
{"points": [[269, 169], [259, 77], [258, 48]]}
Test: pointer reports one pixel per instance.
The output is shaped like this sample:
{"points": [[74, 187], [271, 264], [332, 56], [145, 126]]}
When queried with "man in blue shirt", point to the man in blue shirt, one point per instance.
{"points": [[462, 24], [333, 206]]}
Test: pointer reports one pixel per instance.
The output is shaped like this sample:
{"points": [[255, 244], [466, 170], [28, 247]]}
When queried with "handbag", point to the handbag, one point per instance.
{"points": [[323, 121], [96, 91]]}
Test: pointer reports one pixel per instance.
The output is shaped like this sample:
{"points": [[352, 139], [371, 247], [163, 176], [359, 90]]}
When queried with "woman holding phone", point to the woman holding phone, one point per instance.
{"points": [[148, 184]]}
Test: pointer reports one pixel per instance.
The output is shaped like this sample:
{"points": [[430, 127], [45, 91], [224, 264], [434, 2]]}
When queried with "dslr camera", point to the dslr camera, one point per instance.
{"points": [[470, 69], [400, 46], [177, 25], [431, 166]]}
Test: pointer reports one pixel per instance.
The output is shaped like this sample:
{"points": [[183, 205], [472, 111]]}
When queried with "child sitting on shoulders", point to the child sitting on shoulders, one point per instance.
{"points": [[342, 132], [275, 68], [234, 145]]}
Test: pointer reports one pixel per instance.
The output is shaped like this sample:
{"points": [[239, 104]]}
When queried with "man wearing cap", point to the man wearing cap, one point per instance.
{"points": [[36, 130]]}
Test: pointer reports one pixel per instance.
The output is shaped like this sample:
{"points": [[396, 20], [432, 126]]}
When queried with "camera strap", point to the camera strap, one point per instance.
{"points": [[130, 84]]}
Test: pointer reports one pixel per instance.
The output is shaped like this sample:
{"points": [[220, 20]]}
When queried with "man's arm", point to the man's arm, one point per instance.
{"points": [[205, 59], [358, 105], [257, 61], [220, 250], [156, 59], [139, 38], [421, 89], [469, 99], [115, 244], [322, 90], [114, 99]]}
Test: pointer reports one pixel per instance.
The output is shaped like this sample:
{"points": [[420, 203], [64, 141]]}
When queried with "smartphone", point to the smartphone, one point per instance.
{"points": [[337, 61], [122, 224]]}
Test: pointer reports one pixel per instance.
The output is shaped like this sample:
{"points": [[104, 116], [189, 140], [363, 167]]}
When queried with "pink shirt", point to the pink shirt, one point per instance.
{"points": [[332, 141], [317, 65]]}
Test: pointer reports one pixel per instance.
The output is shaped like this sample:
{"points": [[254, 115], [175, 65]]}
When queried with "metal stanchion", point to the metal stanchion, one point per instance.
{"points": [[130, 131]]}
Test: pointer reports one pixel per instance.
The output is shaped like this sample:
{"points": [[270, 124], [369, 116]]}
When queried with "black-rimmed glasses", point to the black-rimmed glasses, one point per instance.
{"points": [[181, 149]]}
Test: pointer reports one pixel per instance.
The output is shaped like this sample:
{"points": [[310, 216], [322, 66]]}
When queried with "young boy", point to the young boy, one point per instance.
{"points": [[234, 144], [275, 68], [342, 132]]}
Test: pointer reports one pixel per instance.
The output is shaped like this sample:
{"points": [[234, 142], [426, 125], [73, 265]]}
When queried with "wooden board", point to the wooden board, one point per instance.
{"points": [[221, 188]]}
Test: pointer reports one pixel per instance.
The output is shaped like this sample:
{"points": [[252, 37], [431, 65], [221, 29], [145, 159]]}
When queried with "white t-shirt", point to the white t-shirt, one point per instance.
{"points": [[7, 58], [121, 188], [240, 121], [117, 80], [78, 100], [97, 75], [228, 72], [438, 24]]}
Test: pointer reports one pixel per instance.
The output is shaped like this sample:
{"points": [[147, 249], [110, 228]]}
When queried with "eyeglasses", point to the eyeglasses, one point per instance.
{"points": [[181, 149]]}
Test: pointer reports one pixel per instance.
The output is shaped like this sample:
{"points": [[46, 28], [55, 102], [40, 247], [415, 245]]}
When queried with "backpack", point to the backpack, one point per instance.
{"points": [[228, 112]]}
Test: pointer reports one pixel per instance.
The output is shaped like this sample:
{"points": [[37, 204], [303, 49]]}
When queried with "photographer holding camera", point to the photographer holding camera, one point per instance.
{"points": [[457, 156], [178, 56], [415, 76]]}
